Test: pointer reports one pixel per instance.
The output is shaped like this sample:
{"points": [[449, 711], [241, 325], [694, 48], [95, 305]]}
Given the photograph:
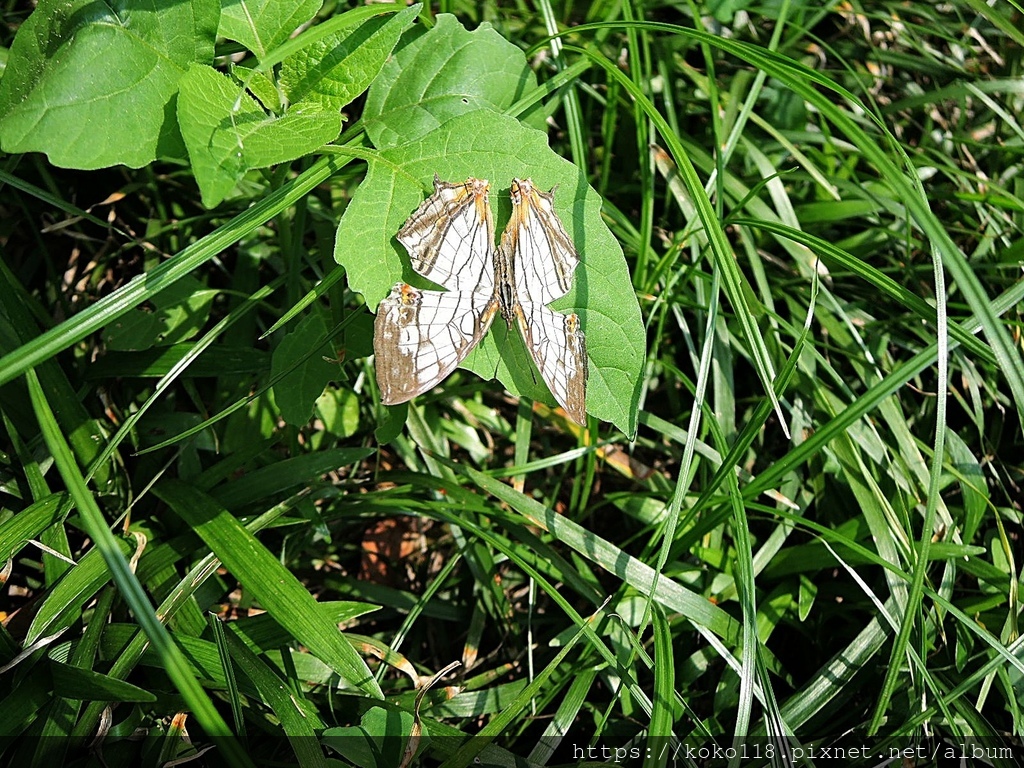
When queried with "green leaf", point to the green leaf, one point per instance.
{"points": [[339, 410], [310, 372], [180, 313], [328, 73], [492, 146], [30, 522], [220, 360], [446, 72], [268, 581], [228, 133], [806, 595], [276, 478], [377, 742], [262, 25], [299, 719], [77, 683], [390, 423], [725, 10], [63, 603], [971, 478], [263, 89], [113, 550], [93, 84]]}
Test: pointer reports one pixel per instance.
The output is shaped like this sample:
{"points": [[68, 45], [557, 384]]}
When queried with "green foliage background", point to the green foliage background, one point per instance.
{"points": [[793, 521]]}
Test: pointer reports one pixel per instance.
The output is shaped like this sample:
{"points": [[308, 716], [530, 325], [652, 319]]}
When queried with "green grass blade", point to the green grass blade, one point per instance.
{"points": [[145, 286], [129, 586], [277, 590]]}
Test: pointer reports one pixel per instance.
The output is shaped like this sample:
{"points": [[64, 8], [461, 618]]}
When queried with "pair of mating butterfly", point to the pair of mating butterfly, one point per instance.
{"points": [[420, 336]]}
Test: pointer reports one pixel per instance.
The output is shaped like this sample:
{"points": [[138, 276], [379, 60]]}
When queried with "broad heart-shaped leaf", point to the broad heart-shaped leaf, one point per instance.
{"points": [[93, 84], [445, 72], [297, 392], [227, 132], [487, 145], [262, 25], [330, 72]]}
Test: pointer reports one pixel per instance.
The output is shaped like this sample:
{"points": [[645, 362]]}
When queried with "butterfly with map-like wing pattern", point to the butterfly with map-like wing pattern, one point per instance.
{"points": [[420, 336]]}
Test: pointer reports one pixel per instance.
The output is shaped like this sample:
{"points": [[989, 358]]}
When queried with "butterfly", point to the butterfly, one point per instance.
{"points": [[420, 336]]}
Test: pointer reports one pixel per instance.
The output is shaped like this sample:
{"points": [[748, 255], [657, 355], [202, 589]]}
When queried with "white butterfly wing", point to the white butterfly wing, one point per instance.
{"points": [[558, 348], [450, 237], [542, 252], [539, 257], [421, 336]]}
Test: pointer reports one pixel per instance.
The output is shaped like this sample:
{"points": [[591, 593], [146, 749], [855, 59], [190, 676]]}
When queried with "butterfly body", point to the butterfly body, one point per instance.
{"points": [[420, 336]]}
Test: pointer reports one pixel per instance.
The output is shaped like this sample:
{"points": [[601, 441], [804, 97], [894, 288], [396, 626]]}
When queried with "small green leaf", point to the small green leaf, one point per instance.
{"points": [[261, 87], [180, 313], [391, 423], [964, 647], [309, 373], [339, 410], [377, 742], [330, 72], [972, 482], [93, 84], [806, 593], [228, 133], [262, 25], [725, 10]]}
